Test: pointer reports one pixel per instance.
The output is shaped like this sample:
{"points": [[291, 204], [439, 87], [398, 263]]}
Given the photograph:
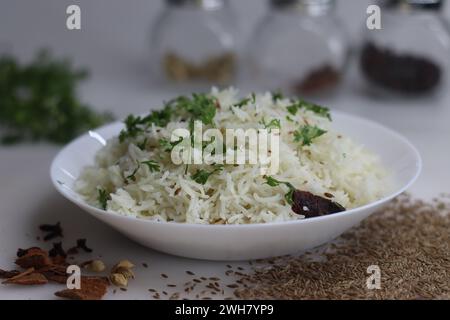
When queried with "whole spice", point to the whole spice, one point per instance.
{"points": [[401, 72], [53, 231], [219, 69], [118, 280], [33, 258], [121, 273], [96, 266], [57, 250], [409, 241], [92, 288], [28, 278], [309, 205]]}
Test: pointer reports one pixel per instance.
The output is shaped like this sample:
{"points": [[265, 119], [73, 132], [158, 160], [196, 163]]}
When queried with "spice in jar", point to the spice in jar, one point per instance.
{"points": [[404, 73], [219, 69], [318, 80]]}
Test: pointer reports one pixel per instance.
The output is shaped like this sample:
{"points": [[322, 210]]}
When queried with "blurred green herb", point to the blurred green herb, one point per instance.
{"points": [[202, 176], [301, 104], [273, 124], [242, 103], [167, 145], [132, 176], [38, 101], [275, 183], [103, 198], [153, 166], [277, 95], [307, 134], [199, 107]]}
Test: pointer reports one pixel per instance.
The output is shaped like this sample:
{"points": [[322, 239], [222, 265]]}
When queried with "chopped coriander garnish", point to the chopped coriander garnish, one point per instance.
{"points": [[152, 165], [202, 176], [253, 97], [142, 144], [289, 119], [275, 183], [103, 198], [200, 107], [132, 128], [132, 176], [277, 95], [273, 124], [307, 134], [301, 104], [167, 145], [242, 103]]}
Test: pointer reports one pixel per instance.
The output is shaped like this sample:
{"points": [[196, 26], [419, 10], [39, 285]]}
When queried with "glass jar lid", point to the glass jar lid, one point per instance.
{"points": [[203, 4], [414, 4]]}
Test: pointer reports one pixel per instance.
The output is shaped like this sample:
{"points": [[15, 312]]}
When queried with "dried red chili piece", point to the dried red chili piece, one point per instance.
{"points": [[310, 205], [33, 258]]}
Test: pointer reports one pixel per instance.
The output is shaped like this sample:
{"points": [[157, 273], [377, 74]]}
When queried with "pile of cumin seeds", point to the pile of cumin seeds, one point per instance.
{"points": [[409, 241]]}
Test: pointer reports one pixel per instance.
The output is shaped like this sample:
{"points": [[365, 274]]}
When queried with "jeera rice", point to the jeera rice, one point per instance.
{"points": [[134, 174]]}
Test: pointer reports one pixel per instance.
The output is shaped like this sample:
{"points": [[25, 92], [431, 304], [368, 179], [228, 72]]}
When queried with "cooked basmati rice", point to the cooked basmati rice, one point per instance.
{"points": [[332, 164]]}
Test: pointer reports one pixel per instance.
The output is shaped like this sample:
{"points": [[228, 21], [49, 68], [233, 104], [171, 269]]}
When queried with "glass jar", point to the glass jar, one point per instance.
{"points": [[300, 47], [195, 41], [410, 54]]}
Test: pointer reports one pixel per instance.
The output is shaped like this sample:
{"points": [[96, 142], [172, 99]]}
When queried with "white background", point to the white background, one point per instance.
{"points": [[114, 45]]}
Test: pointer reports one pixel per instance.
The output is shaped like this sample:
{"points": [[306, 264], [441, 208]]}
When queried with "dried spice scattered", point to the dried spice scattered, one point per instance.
{"points": [[52, 231], [118, 279], [57, 250], [95, 266], [81, 244], [409, 241], [8, 274], [310, 205], [28, 278], [321, 79], [33, 258], [121, 273], [92, 288], [42, 266], [217, 69], [401, 72]]}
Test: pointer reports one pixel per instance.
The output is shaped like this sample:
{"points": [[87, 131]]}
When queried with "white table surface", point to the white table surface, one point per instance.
{"points": [[120, 83]]}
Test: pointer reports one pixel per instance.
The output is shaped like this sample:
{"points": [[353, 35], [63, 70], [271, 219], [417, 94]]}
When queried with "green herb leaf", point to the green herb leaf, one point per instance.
{"points": [[277, 95], [132, 176], [167, 145], [275, 183], [273, 124], [200, 107], [202, 176], [301, 104], [242, 103], [307, 134], [142, 144], [103, 198], [152, 165]]}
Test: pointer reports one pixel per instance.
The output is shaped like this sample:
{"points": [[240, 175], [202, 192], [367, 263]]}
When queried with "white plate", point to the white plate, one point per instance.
{"points": [[242, 242]]}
